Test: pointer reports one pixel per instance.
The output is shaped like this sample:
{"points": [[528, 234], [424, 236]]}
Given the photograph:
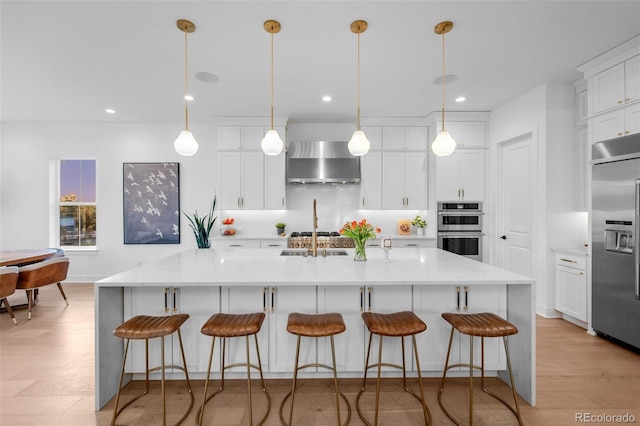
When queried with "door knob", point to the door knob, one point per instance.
{"points": [[504, 237]]}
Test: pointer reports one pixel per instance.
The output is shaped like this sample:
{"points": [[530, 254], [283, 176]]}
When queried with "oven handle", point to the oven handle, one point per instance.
{"points": [[460, 213], [461, 234]]}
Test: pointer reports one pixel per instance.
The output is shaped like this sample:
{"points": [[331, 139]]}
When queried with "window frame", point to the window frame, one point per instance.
{"points": [[56, 204]]}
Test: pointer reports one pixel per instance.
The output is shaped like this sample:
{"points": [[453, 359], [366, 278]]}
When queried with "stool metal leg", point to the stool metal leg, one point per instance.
{"points": [[295, 378], [249, 383], [117, 412], [425, 409], [379, 365], [335, 381], [471, 367], [264, 388], [206, 382]]}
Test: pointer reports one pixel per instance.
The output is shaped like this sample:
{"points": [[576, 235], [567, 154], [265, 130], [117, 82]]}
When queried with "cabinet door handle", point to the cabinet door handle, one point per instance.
{"points": [[361, 299], [273, 299], [274, 245], [175, 304], [264, 299], [463, 193], [627, 99], [619, 133], [369, 294], [619, 102], [362, 201], [568, 260], [626, 132], [457, 298], [410, 245], [166, 299], [466, 298], [238, 202], [458, 192], [282, 201]]}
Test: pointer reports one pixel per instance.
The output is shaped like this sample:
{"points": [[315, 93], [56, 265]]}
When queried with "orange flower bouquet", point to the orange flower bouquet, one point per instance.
{"points": [[360, 232]]}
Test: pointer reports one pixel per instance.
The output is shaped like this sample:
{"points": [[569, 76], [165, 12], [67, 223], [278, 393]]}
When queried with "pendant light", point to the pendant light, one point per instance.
{"points": [[444, 143], [359, 144], [185, 144], [271, 143]]}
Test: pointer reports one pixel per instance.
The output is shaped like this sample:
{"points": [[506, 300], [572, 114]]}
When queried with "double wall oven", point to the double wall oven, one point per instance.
{"points": [[460, 228]]}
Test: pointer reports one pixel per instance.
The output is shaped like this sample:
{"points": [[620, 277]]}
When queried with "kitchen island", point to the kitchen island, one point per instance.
{"points": [[202, 282]]}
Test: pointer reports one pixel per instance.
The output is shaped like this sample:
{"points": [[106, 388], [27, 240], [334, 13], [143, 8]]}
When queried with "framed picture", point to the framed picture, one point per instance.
{"points": [[151, 203]]}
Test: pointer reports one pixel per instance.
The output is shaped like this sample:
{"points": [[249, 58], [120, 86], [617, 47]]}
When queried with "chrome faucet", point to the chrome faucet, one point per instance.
{"points": [[314, 236]]}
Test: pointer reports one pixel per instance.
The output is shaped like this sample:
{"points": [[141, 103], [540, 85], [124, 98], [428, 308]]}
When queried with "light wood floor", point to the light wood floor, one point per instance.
{"points": [[47, 378]]}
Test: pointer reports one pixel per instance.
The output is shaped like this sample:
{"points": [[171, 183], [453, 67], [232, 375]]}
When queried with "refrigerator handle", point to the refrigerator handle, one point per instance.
{"points": [[635, 238]]}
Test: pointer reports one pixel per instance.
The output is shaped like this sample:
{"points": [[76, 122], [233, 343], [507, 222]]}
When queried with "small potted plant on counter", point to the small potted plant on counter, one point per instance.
{"points": [[280, 228], [420, 225], [202, 225]]}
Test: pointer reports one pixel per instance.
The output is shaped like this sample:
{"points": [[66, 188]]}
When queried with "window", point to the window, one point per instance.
{"points": [[77, 203]]}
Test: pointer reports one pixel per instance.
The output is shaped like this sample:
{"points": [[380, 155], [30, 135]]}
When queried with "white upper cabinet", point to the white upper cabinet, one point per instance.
{"points": [[632, 79], [241, 180], [241, 137], [405, 138], [460, 176], [275, 182], [404, 180], [371, 181], [615, 86], [374, 134], [466, 134], [616, 123]]}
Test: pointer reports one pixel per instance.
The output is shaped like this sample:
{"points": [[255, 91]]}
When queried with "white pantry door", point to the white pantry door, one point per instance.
{"points": [[515, 205]]}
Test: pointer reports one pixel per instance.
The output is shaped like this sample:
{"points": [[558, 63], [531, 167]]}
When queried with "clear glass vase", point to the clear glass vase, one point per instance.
{"points": [[361, 252]]}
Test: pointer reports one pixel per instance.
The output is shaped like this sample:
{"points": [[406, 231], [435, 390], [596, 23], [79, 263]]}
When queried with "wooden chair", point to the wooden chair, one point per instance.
{"points": [[36, 275], [8, 282]]}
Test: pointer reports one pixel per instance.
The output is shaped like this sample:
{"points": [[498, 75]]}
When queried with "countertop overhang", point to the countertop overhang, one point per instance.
{"points": [[419, 266]]}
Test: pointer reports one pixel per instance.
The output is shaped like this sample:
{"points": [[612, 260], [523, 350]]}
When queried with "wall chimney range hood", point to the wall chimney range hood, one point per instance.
{"points": [[321, 162]]}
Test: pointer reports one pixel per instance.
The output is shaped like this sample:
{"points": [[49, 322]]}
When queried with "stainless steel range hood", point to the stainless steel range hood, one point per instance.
{"points": [[321, 162]]}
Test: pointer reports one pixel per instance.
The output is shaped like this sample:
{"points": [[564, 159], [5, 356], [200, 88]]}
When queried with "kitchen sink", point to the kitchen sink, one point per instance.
{"points": [[321, 253]]}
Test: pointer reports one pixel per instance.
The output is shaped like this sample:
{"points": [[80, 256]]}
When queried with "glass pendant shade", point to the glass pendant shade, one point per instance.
{"points": [[185, 144], [443, 144], [359, 144], [271, 143]]}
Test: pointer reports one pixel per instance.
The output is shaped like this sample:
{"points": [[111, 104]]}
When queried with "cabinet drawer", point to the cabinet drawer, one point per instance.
{"points": [[571, 261], [238, 244]]}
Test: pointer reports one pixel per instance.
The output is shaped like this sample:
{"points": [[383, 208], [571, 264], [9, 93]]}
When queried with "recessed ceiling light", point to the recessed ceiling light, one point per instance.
{"points": [[448, 79], [188, 97], [326, 98], [207, 77], [110, 111], [461, 99]]}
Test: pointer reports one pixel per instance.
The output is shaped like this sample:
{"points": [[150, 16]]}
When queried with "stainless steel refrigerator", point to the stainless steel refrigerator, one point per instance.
{"points": [[615, 230]]}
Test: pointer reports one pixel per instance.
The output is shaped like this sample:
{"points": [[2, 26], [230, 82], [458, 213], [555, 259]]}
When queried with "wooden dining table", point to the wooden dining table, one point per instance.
{"points": [[19, 257]]}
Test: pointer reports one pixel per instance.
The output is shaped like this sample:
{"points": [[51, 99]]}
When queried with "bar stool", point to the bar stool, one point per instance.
{"points": [[148, 327], [481, 325], [398, 324], [226, 326], [315, 325]]}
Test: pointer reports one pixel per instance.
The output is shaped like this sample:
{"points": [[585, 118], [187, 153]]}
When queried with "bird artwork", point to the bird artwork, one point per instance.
{"points": [[152, 215]]}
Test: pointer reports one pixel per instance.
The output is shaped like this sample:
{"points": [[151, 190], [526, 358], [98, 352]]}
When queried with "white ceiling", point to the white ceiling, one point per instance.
{"points": [[68, 61]]}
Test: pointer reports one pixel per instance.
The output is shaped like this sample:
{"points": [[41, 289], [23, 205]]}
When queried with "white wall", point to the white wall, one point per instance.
{"points": [[27, 149], [548, 113]]}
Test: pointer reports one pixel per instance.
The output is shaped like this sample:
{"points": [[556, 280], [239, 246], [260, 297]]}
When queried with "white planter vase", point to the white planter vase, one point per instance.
{"points": [[420, 232]]}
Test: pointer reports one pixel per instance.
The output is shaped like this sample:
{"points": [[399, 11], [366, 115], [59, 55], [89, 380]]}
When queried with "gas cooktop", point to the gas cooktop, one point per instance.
{"points": [[319, 233], [326, 239]]}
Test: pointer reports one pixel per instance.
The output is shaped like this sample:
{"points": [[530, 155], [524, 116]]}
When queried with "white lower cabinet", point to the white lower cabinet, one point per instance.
{"points": [[199, 302], [430, 302], [351, 301], [571, 286], [277, 346]]}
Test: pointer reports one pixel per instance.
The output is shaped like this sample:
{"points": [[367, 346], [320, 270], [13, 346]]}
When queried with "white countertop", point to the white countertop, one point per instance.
{"points": [[576, 251], [244, 266]]}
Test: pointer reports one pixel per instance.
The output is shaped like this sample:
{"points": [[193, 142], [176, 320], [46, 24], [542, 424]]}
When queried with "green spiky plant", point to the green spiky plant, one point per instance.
{"points": [[202, 225]]}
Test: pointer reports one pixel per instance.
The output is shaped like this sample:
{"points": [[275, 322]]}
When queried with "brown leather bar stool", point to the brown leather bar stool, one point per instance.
{"points": [[481, 325], [315, 325], [148, 327], [398, 324], [36, 275], [8, 281], [226, 326]]}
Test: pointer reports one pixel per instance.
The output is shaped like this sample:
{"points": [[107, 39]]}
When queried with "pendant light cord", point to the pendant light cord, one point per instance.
{"points": [[272, 81], [358, 81], [443, 81], [186, 84]]}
